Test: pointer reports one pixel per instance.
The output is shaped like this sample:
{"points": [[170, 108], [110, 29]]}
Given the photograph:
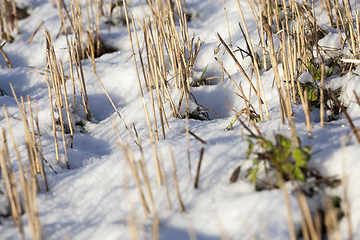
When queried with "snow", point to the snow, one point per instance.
{"points": [[93, 199]]}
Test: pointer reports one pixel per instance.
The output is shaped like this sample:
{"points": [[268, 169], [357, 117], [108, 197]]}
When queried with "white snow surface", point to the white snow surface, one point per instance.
{"points": [[91, 200]]}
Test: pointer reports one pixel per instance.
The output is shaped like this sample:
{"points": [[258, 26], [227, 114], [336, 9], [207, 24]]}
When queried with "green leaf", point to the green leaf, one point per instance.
{"points": [[301, 157], [253, 173], [307, 149], [329, 72], [285, 142], [318, 71], [313, 95], [277, 157], [269, 145], [266, 143], [310, 66], [299, 175], [80, 123], [203, 73], [248, 152], [11, 38], [280, 155], [287, 167], [255, 119], [317, 74], [116, 21], [2, 45]]}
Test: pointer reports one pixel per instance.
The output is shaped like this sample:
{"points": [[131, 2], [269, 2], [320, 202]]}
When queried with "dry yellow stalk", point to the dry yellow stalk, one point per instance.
{"points": [[288, 208], [53, 118], [133, 168], [68, 114], [344, 181], [181, 206], [322, 95], [6, 58], [158, 172], [188, 144], [57, 81], [7, 175], [132, 164], [33, 35], [165, 181], [43, 174], [257, 72], [305, 209]]}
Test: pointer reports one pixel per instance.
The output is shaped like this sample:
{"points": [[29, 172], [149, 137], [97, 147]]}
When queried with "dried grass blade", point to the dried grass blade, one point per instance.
{"points": [[198, 168], [181, 205]]}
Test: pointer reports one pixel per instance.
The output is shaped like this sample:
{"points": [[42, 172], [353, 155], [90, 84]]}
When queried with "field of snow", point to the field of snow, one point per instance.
{"points": [[97, 198]]}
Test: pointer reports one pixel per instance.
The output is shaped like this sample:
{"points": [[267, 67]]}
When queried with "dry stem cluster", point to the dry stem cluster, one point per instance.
{"points": [[9, 19], [26, 178]]}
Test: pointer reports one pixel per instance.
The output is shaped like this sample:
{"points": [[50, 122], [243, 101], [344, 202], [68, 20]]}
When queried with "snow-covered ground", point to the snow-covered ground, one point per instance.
{"points": [[91, 200]]}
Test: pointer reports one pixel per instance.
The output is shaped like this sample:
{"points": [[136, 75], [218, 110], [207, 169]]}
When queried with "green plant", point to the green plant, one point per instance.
{"points": [[80, 123], [201, 81], [202, 75], [288, 161], [9, 38], [80, 126], [201, 113], [313, 96], [315, 70], [3, 44]]}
